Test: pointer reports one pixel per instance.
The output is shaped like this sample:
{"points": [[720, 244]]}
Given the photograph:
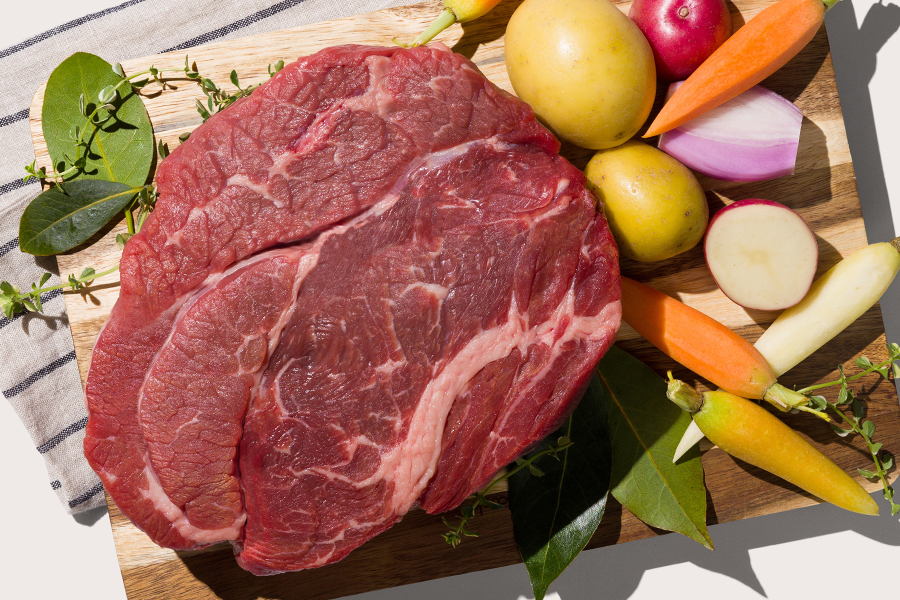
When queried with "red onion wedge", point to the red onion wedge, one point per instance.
{"points": [[752, 137]]}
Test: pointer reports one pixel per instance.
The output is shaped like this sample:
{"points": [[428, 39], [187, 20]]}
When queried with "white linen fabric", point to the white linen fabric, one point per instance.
{"points": [[39, 376]]}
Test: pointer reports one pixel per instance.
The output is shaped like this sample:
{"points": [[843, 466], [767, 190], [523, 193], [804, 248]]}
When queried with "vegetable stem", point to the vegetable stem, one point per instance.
{"points": [[685, 396], [443, 21], [783, 398]]}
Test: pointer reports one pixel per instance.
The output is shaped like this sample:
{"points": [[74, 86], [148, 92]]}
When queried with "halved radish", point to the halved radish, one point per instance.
{"points": [[761, 253]]}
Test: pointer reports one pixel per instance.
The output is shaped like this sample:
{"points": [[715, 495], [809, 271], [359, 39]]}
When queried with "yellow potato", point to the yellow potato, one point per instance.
{"points": [[654, 204], [585, 68]]}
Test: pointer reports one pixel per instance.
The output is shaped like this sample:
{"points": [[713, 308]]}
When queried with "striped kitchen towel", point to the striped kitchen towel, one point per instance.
{"points": [[40, 377]]}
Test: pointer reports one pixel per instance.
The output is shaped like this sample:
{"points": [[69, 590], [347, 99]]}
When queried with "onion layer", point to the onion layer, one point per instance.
{"points": [[752, 137]]}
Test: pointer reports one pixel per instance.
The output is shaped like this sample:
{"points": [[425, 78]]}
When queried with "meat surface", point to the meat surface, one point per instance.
{"points": [[368, 286]]}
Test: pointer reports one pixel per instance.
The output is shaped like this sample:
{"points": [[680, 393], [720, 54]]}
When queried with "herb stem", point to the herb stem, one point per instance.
{"points": [[806, 390], [129, 220], [81, 279], [858, 430], [456, 533]]}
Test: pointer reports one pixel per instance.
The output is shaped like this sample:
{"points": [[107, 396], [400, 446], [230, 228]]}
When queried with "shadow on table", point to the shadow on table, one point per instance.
{"points": [[90, 517], [854, 53], [617, 570]]}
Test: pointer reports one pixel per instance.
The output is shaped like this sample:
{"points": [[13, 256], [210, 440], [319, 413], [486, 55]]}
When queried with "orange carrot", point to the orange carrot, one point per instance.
{"points": [[756, 50], [703, 345]]}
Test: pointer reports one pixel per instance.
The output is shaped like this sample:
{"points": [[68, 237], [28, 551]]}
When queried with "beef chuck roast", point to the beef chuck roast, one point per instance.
{"points": [[367, 286]]}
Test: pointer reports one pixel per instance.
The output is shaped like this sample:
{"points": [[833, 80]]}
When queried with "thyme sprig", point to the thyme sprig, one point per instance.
{"points": [[217, 98], [458, 530], [856, 420], [13, 300]]}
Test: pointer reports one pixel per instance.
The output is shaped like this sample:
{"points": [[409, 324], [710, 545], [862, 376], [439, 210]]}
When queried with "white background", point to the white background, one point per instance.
{"points": [[819, 552]]}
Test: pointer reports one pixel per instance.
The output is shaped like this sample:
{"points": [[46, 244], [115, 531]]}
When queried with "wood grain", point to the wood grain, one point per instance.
{"points": [[822, 190]]}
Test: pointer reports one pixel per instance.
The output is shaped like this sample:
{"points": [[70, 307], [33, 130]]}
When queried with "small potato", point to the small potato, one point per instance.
{"points": [[654, 204], [584, 67]]}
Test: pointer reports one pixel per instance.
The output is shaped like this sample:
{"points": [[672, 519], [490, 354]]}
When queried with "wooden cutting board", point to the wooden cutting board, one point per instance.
{"points": [[823, 191]]}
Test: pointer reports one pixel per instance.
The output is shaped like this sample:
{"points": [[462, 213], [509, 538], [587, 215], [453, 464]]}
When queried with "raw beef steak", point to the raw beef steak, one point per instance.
{"points": [[367, 286]]}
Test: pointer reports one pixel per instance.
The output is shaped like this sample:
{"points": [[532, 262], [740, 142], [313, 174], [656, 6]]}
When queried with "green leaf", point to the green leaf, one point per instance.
{"points": [[887, 462], [876, 447], [818, 402], [843, 395], [121, 149], [44, 279], [646, 428], [868, 428], [68, 214], [863, 362], [840, 430], [535, 471], [554, 516], [200, 109], [896, 369], [867, 473], [857, 408]]}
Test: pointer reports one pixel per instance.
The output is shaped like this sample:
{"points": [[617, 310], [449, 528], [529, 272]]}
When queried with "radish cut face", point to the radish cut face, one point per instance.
{"points": [[762, 254]]}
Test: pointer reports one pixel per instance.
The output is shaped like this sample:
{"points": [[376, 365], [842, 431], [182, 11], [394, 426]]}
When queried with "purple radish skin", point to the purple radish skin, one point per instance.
{"points": [[682, 33]]}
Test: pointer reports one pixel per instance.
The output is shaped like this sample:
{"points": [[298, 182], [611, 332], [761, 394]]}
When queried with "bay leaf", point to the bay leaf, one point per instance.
{"points": [[121, 149], [70, 213], [645, 428], [555, 514]]}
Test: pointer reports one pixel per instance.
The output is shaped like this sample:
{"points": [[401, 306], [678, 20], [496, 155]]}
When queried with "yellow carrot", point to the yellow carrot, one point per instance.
{"points": [[758, 49], [703, 345], [455, 11], [747, 431]]}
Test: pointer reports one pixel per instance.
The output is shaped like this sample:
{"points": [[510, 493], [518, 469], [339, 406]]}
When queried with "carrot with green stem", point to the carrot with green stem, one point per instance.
{"points": [[705, 346], [835, 300], [747, 431], [455, 11], [755, 51]]}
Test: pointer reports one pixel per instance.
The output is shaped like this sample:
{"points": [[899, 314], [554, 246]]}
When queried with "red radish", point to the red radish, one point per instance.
{"points": [[682, 33], [761, 253]]}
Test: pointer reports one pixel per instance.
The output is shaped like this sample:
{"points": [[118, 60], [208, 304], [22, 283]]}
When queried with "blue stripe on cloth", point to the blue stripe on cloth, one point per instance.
{"points": [[38, 375], [65, 27], [16, 184], [59, 437], [4, 321], [248, 20], [86, 496], [10, 119], [8, 246]]}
